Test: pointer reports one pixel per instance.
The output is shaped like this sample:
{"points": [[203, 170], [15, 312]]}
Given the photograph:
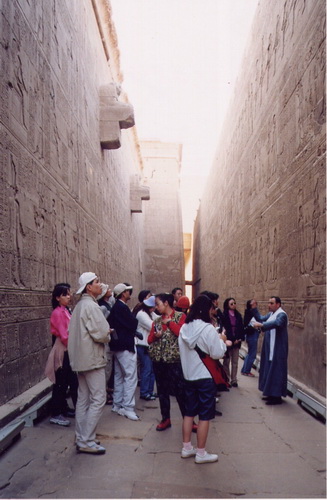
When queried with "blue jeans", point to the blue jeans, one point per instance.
{"points": [[252, 342], [146, 372]]}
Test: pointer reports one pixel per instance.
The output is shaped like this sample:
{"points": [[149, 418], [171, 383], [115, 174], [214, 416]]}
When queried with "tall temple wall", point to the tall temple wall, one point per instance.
{"points": [[260, 229], [71, 199], [163, 232]]}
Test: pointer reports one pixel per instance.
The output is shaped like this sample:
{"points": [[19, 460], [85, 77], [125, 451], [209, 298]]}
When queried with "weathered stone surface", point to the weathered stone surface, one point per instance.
{"points": [[261, 224], [163, 233], [65, 203], [114, 115]]}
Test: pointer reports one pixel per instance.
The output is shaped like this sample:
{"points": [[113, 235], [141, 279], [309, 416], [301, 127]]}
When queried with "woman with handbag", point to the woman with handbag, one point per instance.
{"points": [[197, 337]]}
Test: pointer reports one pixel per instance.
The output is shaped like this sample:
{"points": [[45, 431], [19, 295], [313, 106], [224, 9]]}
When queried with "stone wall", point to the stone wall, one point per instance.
{"points": [[261, 223], [65, 201], [163, 232]]}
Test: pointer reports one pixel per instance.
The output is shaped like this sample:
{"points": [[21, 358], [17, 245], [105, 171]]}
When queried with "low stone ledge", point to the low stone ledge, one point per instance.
{"points": [[16, 406]]}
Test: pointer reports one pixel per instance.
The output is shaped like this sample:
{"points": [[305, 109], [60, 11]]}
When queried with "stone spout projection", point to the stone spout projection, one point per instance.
{"points": [[114, 116], [137, 194]]}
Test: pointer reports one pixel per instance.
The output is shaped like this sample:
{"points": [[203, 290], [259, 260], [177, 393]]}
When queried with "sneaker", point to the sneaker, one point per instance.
{"points": [[188, 453], [148, 397], [164, 424], [208, 457], [115, 409], [128, 414], [60, 420], [93, 450], [234, 384]]}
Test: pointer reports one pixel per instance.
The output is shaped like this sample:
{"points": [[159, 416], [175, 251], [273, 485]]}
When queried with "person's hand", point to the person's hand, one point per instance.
{"points": [[165, 321], [255, 324], [229, 343], [223, 337]]}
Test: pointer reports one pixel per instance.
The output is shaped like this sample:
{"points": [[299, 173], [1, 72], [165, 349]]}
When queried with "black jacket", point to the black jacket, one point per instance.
{"points": [[239, 327], [125, 324]]}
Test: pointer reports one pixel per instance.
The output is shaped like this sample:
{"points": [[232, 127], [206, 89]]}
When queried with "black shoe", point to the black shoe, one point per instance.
{"points": [[274, 401], [218, 413], [234, 384], [70, 412], [148, 397]]}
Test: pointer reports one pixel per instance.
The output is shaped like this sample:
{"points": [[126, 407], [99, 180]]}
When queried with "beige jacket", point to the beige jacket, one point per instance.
{"points": [[88, 332]]}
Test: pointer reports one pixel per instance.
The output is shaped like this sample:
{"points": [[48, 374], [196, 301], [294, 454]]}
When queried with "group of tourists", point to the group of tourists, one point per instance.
{"points": [[103, 350]]}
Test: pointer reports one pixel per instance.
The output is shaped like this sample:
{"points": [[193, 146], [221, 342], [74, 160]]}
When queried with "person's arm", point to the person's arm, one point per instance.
{"points": [[279, 321], [175, 327], [97, 325], [144, 320], [212, 344], [59, 322], [152, 337]]}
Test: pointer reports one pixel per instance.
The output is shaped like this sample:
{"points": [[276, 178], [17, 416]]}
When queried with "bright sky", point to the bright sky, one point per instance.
{"points": [[180, 60]]}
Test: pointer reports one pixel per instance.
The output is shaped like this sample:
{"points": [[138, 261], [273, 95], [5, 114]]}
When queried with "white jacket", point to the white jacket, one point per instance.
{"points": [[88, 332], [206, 337], [144, 326]]}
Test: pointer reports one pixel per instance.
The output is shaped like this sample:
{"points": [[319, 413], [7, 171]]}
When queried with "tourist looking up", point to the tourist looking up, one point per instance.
{"points": [[122, 344], [88, 333]]}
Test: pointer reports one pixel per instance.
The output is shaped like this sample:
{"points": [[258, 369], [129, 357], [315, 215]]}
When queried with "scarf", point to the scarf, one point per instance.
{"points": [[273, 331]]}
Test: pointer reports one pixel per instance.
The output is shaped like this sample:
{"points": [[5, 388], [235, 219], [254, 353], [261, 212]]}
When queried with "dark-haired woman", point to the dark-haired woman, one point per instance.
{"points": [[145, 318], [200, 391], [252, 336], [58, 368], [233, 324], [164, 352]]}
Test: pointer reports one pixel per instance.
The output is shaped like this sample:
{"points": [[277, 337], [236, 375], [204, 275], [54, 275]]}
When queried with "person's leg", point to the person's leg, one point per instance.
{"points": [[226, 363], [162, 389], [82, 406], [252, 350], [143, 374], [58, 401], [128, 362], [178, 383], [234, 359], [187, 429], [96, 383], [202, 433], [118, 382]]}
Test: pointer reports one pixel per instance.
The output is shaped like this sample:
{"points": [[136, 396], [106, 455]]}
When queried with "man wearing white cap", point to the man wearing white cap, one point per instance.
{"points": [[123, 346], [88, 332]]}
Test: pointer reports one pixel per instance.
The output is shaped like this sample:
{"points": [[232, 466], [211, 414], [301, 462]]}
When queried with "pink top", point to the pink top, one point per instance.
{"points": [[59, 321]]}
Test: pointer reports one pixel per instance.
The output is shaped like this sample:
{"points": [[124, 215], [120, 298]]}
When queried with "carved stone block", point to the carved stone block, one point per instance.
{"points": [[114, 115]]}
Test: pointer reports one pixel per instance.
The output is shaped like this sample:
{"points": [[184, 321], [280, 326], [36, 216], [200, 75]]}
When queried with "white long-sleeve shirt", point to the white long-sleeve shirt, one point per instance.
{"points": [[206, 337]]}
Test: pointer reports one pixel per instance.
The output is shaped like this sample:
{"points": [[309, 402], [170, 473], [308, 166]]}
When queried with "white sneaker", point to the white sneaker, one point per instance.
{"points": [[115, 409], [128, 414], [208, 457], [188, 453], [60, 420]]}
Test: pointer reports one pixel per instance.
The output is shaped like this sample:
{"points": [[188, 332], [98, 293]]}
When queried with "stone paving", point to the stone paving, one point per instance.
{"points": [[264, 452]]}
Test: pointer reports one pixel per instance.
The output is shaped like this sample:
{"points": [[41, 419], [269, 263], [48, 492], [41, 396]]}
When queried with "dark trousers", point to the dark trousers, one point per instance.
{"points": [[65, 377], [170, 382]]}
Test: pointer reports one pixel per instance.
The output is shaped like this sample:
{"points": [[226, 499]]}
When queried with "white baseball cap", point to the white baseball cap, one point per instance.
{"points": [[84, 280], [120, 288]]}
